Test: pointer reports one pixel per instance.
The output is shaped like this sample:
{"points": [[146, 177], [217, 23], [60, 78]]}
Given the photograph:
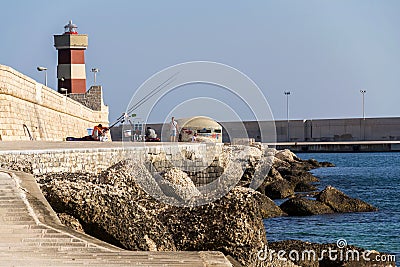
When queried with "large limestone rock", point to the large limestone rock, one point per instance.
{"points": [[340, 202], [316, 164], [272, 176], [296, 172], [305, 187], [287, 155], [177, 183], [113, 207], [304, 207], [296, 177], [279, 189], [329, 200], [268, 208], [286, 160], [288, 174], [232, 224], [280, 163]]}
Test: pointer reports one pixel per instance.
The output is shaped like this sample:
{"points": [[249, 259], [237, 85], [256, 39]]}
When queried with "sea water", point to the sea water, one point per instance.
{"points": [[372, 177]]}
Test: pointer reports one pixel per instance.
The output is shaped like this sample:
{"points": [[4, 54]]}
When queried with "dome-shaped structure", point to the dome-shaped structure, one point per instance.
{"points": [[201, 129]]}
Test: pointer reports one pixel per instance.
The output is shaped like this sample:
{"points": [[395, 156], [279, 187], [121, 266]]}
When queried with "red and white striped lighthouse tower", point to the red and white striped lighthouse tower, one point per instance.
{"points": [[71, 48]]}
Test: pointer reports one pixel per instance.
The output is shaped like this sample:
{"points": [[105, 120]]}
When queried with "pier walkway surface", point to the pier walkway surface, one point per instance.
{"points": [[32, 235], [57, 145]]}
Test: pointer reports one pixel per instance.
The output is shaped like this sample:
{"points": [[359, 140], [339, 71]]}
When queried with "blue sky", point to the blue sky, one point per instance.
{"points": [[322, 51]]}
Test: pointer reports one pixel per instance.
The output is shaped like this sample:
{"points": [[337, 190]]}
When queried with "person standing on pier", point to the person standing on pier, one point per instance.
{"points": [[173, 129]]}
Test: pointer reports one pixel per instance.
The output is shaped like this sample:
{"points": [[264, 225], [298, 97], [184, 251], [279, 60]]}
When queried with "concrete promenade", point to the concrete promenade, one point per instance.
{"points": [[32, 235]]}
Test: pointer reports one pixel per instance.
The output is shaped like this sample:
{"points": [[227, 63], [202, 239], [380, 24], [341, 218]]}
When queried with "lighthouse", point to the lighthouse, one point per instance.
{"points": [[71, 47]]}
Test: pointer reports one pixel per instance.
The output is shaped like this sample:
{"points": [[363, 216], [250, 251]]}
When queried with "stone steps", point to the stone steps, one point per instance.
{"points": [[104, 260], [7, 196], [21, 209], [17, 217], [8, 189], [25, 236], [9, 205], [25, 228], [11, 222], [23, 242]]}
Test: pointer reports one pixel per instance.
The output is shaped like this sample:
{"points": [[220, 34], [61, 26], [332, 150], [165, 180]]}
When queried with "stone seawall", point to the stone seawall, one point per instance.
{"points": [[95, 160], [29, 109]]}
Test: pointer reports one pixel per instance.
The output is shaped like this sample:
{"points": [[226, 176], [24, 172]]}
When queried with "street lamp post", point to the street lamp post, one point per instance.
{"points": [[287, 93], [95, 70], [65, 90], [61, 84], [363, 102], [45, 73]]}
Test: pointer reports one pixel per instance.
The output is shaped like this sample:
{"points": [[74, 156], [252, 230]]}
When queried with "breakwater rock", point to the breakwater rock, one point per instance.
{"points": [[113, 207], [340, 202], [303, 206], [290, 178], [110, 206], [329, 200], [118, 204], [232, 225], [290, 175]]}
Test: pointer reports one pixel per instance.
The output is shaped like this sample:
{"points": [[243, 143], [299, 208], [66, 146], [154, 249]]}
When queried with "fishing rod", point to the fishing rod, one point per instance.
{"points": [[161, 86], [171, 79]]}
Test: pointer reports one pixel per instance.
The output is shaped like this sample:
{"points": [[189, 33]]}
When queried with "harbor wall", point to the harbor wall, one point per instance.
{"points": [[335, 130], [31, 111], [323, 130], [327, 130]]}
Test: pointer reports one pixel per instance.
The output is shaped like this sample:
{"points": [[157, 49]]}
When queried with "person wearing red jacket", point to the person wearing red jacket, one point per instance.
{"points": [[98, 132]]}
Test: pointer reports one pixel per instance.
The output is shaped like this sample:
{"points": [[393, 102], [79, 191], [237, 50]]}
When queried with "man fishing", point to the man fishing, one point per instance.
{"points": [[98, 133]]}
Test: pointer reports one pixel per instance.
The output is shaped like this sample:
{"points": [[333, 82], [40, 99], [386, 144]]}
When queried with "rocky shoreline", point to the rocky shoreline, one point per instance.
{"points": [[113, 207]]}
